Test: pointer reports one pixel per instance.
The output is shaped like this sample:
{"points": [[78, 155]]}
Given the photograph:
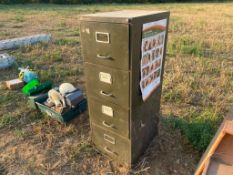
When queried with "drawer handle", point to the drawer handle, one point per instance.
{"points": [[104, 57], [107, 125], [109, 151], [105, 94]]}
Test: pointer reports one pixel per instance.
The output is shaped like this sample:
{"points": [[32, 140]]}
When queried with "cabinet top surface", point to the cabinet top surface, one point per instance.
{"points": [[122, 16]]}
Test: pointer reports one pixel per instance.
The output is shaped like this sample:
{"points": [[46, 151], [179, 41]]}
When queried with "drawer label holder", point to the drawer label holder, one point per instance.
{"points": [[105, 77], [109, 139], [102, 37], [107, 110]]}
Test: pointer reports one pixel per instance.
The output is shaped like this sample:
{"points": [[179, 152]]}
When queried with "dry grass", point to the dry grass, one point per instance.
{"points": [[197, 88]]}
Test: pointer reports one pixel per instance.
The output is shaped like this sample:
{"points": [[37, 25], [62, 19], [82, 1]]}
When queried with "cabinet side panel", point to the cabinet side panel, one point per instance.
{"points": [[144, 114]]}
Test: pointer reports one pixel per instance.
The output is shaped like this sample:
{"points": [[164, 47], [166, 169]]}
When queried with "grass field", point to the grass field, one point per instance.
{"points": [[197, 91]]}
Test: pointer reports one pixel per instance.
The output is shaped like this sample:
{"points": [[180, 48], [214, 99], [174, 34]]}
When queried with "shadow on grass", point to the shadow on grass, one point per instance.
{"points": [[2, 169], [199, 131]]}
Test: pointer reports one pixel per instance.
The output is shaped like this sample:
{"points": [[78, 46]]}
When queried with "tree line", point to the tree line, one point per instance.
{"points": [[100, 1]]}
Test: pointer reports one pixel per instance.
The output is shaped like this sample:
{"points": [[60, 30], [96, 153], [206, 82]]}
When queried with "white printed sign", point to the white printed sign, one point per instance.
{"points": [[152, 49]]}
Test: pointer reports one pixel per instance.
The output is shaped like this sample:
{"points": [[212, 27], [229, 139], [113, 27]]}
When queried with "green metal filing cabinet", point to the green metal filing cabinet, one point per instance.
{"points": [[124, 54]]}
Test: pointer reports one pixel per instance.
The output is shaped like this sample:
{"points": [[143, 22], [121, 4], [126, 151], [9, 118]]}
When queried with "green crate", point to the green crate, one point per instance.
{"points": [[66, 116], [40, 97], [36, 98]]}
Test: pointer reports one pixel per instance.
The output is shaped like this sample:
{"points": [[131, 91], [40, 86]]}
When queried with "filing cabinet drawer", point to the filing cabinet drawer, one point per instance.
{"points": [[106, 44], [107, 84], [109, 116], [111, 144]]}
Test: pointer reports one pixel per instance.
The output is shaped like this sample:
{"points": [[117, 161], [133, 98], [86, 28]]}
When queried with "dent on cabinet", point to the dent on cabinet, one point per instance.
{"points": [[124, 54]]}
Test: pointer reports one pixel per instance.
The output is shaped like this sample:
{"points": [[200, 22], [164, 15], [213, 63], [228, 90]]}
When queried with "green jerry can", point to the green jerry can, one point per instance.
{"points": [[124, 54]]}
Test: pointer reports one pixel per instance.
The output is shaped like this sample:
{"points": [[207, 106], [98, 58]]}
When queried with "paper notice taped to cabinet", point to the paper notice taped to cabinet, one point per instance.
{"points": [[152, 49]]}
